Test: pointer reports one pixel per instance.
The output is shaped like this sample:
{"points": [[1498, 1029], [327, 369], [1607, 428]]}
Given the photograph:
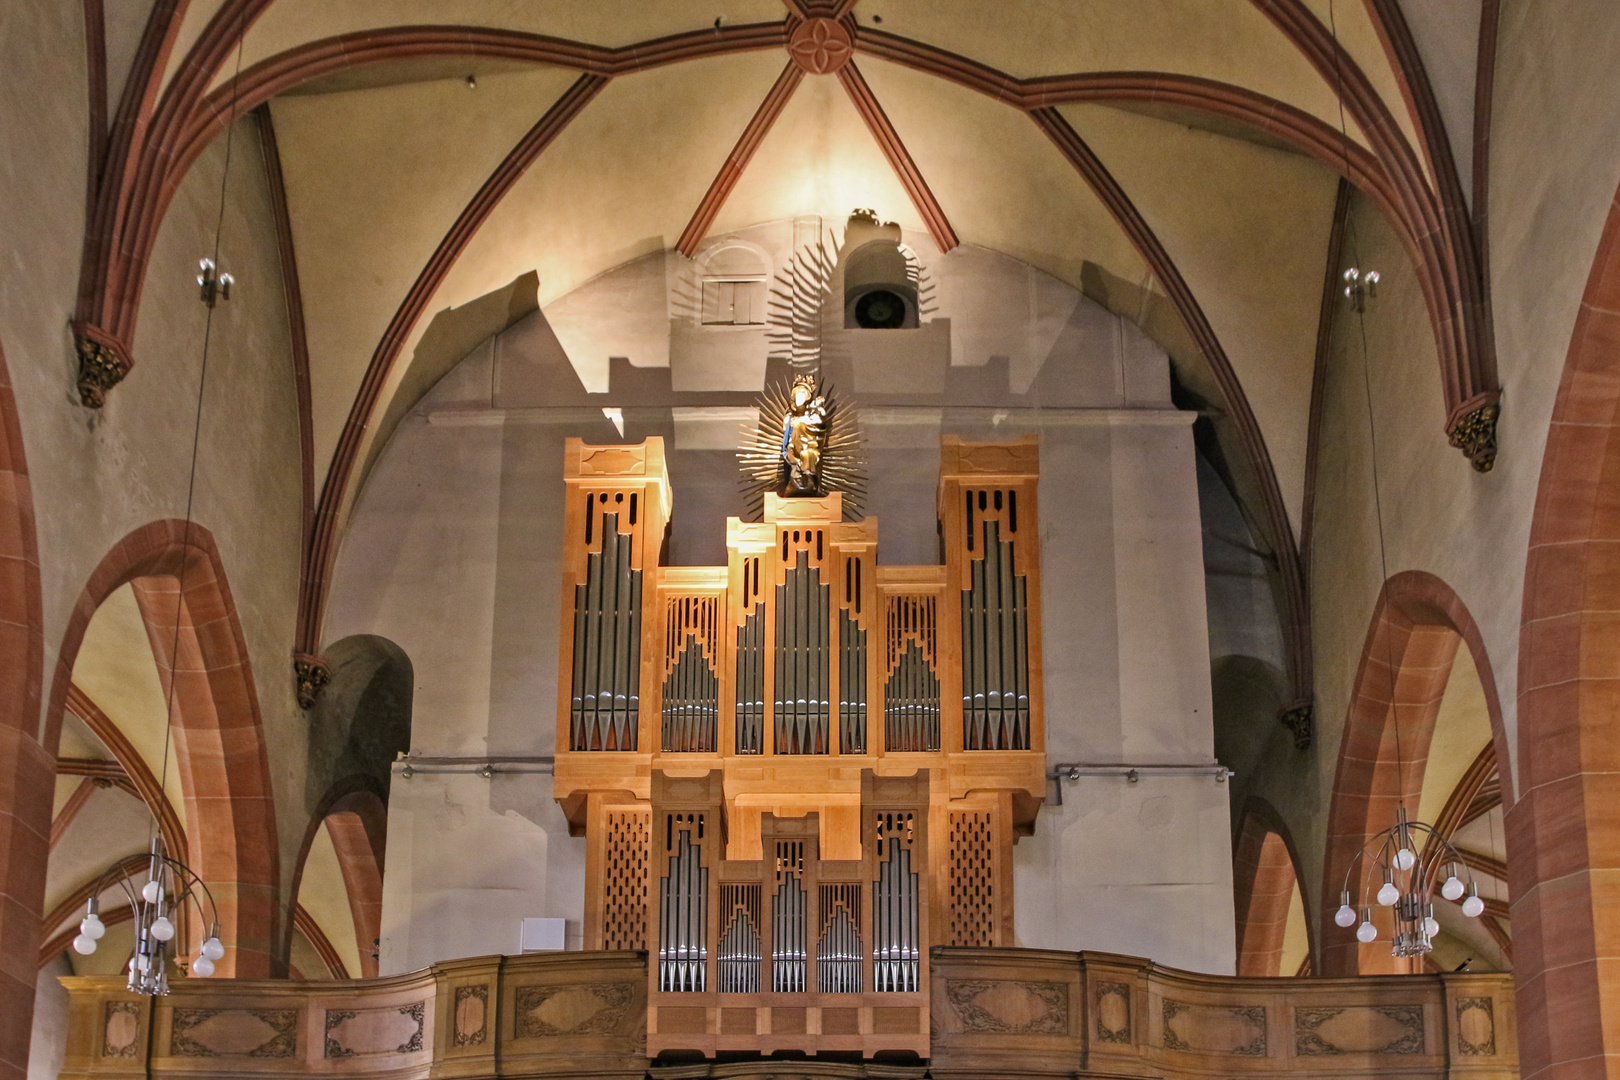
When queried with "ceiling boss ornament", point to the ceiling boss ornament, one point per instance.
{"points": [[804, 444], [821, 46]]}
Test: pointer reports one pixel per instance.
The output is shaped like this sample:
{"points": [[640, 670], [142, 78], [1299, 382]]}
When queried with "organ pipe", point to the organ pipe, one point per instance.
{"points": [[606, 698]]}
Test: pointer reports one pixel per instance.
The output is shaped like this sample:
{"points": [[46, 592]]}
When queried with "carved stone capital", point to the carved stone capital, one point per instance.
{"points": [[310, 676], [1299, 717], [1472, 429], [103, 363]]}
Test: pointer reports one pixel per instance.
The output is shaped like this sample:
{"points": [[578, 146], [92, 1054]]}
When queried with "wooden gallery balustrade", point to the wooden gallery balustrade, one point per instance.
{"points": [[1003, 1013], [799, 771]]}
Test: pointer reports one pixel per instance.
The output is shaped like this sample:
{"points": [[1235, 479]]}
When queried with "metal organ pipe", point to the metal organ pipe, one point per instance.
{"points": [[607, 645], [683, 910]]}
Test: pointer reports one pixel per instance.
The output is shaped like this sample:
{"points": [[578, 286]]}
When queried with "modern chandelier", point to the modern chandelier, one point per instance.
{"points": [[169, 884], [1408, 885]]}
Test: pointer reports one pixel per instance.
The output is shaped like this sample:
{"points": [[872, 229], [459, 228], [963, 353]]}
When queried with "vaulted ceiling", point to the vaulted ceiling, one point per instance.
{"points": [[1178, 160]]}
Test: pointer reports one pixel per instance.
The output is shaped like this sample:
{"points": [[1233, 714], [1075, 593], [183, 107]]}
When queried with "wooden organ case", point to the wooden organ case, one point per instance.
{"points": [[797, 772]]}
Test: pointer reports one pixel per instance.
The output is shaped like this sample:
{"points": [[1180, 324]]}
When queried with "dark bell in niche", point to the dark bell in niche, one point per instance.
{"points": [[880, 309]]}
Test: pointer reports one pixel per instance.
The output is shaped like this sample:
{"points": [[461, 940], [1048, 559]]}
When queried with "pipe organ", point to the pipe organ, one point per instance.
{"points": [[797, 772]]}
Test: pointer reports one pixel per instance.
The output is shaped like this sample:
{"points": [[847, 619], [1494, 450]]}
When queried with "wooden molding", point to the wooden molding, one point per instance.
{"points": [[747, 143], [899, 158]]}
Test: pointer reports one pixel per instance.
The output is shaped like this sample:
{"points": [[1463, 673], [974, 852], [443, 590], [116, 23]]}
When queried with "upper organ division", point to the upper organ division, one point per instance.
{"points": [[797, 772]]}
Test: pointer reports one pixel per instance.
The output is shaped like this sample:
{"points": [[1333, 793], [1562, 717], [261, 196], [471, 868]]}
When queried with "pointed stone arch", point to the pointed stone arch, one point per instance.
{"points": [[1563, 833], [1265, 877], [27, 763], [355, 814], [1417, 626], [179, 582]]}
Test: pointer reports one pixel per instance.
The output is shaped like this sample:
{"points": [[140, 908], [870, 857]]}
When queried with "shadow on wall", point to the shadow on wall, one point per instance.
{"points": [[362, 720], [1246, 693]]}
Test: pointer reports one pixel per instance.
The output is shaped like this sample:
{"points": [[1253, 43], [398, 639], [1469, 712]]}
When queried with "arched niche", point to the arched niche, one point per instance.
{"points": [[362, 720], [880, 286], [734, 280], [337, 883]]}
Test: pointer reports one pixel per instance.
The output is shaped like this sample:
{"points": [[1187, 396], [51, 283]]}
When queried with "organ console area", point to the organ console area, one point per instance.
{"points": [[799, 771]]}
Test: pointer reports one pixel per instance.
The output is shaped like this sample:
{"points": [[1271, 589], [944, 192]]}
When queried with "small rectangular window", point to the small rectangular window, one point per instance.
{"points": [[734, 301]]}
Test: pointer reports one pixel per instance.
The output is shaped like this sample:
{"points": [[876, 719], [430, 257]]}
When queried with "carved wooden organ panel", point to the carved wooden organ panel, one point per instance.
{"points": [[797, 772]]}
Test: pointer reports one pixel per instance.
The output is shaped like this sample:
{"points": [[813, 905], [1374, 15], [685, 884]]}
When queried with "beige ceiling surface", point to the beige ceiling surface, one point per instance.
{"points": [[1248, 228], [1352, 25], [375, 178], [323, 893], [116, 669], [1000, 180], [621, 181], [1462, 728], [1228, 41], [819, 158], [608, 23]]}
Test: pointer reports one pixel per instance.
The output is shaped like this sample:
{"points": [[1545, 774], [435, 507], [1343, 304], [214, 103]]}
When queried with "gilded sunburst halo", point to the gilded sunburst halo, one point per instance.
{"points": [[806, 442]]}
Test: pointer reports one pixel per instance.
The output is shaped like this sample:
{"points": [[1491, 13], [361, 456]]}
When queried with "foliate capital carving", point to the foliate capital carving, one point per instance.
{"points": [[1472, 429], [1299, 717], [310, 676], [103, 363]]}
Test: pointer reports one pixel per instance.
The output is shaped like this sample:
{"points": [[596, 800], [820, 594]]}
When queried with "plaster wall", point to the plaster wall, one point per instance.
{"points": [[98, 475], [1554, 171], [1554, 174], [454, 554]]}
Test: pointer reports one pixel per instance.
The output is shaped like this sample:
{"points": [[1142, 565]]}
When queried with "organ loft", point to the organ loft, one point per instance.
{"points": [[797, 772]]}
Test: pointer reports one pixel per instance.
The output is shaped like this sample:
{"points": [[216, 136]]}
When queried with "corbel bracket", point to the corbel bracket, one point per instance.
{"points": [[103, 363], [1299, 717], [1472, 429], [310, 676]]}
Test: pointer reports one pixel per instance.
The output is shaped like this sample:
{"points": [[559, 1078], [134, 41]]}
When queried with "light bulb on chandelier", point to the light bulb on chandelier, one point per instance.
{"points": [[1346, 915], [1453, 888], [170, 884], [1407, 886]]}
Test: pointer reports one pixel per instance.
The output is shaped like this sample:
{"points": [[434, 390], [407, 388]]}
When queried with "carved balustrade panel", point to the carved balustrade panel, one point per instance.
{"points": [[1008, 1013]]}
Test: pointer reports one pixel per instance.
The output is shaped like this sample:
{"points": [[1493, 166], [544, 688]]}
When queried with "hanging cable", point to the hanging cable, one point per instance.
{"points": [[170, 882]]}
